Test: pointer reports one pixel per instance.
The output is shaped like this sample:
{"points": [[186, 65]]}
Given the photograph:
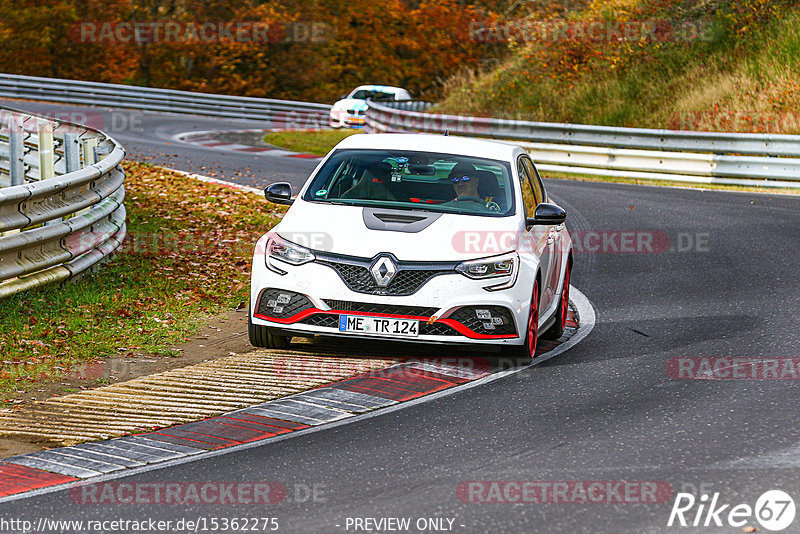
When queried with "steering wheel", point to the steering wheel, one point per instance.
{"points": [[493, 206], [471, 198]]}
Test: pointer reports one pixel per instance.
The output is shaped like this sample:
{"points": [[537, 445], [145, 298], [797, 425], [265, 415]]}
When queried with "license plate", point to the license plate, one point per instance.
{"points": [[378, 326]]}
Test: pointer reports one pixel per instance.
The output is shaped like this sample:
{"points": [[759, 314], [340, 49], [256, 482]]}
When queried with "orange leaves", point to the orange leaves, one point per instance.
{"points": [[210, 229], [316, 49]]}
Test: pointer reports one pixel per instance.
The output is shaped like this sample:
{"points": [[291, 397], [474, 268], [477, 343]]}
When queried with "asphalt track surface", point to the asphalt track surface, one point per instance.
{"points": [[606, 410]]}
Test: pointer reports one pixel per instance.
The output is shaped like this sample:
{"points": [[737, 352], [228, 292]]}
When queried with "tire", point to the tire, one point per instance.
{"points": [[557, 329], [527, 351], [265, 337]]}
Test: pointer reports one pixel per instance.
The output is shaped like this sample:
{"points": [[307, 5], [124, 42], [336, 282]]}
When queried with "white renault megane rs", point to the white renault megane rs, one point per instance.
{"points": [[421, 238]]}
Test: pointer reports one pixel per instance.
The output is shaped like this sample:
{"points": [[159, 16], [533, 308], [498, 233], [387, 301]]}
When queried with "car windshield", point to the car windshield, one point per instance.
{"points": [[403, 179], [364, 94]]}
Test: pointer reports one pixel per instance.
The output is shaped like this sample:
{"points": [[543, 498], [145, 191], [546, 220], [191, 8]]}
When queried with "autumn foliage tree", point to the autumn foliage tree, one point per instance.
{"points": [[414, 44]]}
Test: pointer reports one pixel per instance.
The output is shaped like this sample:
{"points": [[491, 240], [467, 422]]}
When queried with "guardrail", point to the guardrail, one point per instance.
{"points": [[766, 160], [61, 200], [161, 100]]}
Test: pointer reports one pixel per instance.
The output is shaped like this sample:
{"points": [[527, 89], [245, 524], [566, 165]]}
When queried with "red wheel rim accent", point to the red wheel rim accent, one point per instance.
{"points": [[565, 299], [533, 321]]}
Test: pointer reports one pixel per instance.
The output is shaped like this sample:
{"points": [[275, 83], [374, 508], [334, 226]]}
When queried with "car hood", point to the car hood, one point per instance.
{"points": [[351, 103], [350, 231]]}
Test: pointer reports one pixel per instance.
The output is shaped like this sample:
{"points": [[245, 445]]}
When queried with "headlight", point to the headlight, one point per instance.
{"points": [[506, 265], [287, 251]]}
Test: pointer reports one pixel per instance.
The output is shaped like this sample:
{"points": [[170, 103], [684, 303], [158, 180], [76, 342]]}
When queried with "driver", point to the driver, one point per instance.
{"points": [[465, 184]]}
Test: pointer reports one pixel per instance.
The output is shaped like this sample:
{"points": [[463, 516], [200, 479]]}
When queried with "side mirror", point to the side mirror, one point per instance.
{"points": [[279, 193], [547, 214], [343, 97]]}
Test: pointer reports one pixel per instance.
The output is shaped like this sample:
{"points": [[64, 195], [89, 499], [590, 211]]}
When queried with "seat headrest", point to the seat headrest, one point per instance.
{"points": [[488, 185]]}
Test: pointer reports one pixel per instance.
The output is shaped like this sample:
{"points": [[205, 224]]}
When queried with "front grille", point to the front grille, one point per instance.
{"points": [[281, 304], [391, 309], [493, 320], [409, 279], [322, 319], [437, 329], [329, 320]]}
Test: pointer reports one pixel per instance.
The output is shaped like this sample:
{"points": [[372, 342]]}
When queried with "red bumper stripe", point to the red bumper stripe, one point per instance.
{"points": [[460, 328]]}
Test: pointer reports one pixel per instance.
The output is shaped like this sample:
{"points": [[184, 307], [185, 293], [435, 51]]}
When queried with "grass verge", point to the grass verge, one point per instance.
{"points": [[318, 142], [724, 65], [186, 258]]}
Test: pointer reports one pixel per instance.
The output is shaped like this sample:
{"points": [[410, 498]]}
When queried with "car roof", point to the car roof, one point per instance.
{"points": [[387, 88], [463, 146]]}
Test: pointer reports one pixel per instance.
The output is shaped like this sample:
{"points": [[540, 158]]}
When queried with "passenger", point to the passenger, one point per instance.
{"points": [[375, 184], [489, 190]]}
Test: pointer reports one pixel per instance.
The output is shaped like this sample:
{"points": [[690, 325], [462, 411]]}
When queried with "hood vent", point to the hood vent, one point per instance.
{"points": [[398, 220]]}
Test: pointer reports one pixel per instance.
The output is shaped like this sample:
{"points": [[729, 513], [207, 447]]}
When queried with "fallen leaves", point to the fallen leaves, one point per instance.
{"points": [[187, 255]]}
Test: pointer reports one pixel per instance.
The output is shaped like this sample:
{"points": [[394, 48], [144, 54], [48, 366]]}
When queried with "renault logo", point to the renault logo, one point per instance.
{"points": [[383, 270]]}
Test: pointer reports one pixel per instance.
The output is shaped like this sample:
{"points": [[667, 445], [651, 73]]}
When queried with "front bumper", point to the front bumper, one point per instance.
{"points": [[342, 118], [451, 308], [355, 121]]}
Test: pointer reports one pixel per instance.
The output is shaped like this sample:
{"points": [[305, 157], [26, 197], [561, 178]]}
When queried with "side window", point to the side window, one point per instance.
{"points": [[528, 195], [536, 180]]}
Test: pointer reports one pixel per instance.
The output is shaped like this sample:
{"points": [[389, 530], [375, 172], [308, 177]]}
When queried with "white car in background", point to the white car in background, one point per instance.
{"points": [[349, 111], [420, 238]]}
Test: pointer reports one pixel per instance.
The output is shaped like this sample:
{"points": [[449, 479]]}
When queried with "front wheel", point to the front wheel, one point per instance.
{"points": [[557, 330], [265, 337], [527, 350]]}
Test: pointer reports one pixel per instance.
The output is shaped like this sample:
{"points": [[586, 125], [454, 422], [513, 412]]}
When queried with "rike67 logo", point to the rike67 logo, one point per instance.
{"points": [[774, 510]]}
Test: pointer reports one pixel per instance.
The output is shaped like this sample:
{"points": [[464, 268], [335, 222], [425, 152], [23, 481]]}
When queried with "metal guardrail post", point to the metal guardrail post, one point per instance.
{"points": [[16, 152], [46, 152], [89, 149], [47, 158], [72, 160], [57, 227], [72, 152]]}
